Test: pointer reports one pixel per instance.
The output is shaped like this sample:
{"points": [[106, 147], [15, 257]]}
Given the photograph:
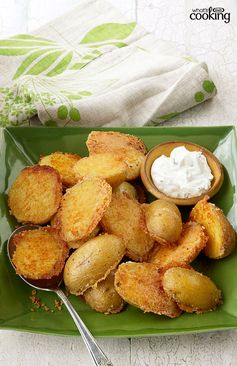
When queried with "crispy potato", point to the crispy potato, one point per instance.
{"points": [[141, 193], [39, 253], [163, 221], [107, 166], [78, 243], [130, 149], [55, 224], [128, 189], [104, 298], [192, 291], [139, 284], [92, 262], [133, 159], [101, 141], [35, 195], [82, 208], [221, 234], [190, 243], [124, 217], [63, 163]]}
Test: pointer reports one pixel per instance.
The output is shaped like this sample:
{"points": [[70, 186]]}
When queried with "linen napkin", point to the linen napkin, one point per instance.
{"points": [[92, 67]]}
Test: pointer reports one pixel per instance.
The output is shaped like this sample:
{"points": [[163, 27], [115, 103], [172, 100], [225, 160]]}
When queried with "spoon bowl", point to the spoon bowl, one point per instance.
{"points": [[53, 285]]}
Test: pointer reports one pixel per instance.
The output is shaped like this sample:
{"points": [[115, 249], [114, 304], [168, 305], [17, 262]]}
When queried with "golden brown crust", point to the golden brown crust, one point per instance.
{"points": [[129, 148], [107, 166], [139, 284], [103, 141], [39, 253], [63, 163], [124, 217], [82, 208], [192, 240], [221, 234], [35, 195]]}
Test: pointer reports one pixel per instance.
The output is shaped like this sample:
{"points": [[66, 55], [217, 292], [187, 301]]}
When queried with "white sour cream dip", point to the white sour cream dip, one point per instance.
{"points": [[183, 174]]}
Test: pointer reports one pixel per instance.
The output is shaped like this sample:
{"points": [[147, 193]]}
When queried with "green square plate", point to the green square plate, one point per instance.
{"points": [[23, 146]]}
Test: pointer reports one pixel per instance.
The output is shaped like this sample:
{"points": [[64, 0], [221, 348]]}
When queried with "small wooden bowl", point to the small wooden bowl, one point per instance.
{"points": [[165, 149]]}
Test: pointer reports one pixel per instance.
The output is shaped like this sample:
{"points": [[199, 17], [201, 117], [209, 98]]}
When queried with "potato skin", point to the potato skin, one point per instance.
{"points": [[125, 218], [82, 207], [35, 195], [192, 240], [139, 284], [192, 291], [63, 163], [92, 262], [104, 298], [163, 221], [107, 166], [128, 189], [221, 234]]}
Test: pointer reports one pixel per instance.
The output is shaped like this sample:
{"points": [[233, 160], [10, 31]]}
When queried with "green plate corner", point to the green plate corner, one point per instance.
{"points": [[20, 147]]}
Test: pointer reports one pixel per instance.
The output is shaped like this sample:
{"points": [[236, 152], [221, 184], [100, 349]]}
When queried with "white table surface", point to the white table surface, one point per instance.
{"points": [[211, 41]]}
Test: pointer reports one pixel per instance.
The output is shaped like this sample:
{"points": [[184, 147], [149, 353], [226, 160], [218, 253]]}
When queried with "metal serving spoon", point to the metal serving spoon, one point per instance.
{"points": [[53, 284]]}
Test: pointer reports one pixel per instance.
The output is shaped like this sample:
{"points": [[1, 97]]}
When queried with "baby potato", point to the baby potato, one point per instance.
{"points": [[63, 163], [163, 221], [35, 195], [82, 207], [92, 262], [192, 291], [104, 298], [221, 234], [104, 141], [107, 166], [125, 218], [128, 189], [133, 160], [39, 253], [139, 284], [129, 148], [192, 240]]}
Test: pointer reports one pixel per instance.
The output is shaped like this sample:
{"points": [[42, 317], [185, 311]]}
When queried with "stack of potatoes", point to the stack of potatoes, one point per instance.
{"points": [[103, 219]]}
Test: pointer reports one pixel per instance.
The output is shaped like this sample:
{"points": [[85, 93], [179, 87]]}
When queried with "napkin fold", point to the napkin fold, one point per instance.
{"points": [[93, 68]]}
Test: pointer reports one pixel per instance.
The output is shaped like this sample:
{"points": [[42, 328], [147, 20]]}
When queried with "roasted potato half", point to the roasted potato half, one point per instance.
{"points": [[221, 234], [129, 148], [192, 291], [39, 253], [139, 284], [128, 189], [92, 262], [63, 163], [107, 166], [104, 298], [104, 141], [192, 240], [35, 195], [163, 221], [82, 207], [125, 218]]}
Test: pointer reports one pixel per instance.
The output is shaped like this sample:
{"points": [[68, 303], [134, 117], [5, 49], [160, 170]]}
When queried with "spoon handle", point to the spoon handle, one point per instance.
{"points": [[94, 349]]}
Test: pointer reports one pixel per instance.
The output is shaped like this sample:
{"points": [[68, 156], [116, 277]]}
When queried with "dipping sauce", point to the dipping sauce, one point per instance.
{"points": [[183, 174]]}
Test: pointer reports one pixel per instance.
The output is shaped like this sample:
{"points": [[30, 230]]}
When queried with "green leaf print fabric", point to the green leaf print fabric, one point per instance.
{"points": [[92, 67]]}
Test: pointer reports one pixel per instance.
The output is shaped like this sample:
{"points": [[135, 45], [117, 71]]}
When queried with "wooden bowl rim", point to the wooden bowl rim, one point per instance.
{"points": [[218, 174]]}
